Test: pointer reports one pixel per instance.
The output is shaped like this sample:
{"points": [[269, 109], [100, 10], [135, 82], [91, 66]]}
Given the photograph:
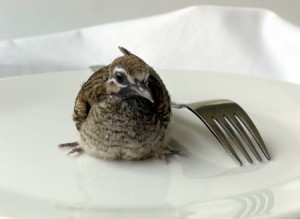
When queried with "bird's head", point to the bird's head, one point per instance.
{"points": [[128, 77]]}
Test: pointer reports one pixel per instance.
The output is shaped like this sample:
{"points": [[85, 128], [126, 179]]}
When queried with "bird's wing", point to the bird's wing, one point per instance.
{"points": [[161, 98], [89, 93]]}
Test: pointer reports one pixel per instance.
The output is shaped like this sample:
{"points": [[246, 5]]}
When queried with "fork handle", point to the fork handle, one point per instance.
{"points": [[196, 105], [178, 105]]}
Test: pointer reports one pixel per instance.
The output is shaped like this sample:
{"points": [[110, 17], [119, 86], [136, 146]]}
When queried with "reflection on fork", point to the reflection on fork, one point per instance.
{"points": [[226, 119]]}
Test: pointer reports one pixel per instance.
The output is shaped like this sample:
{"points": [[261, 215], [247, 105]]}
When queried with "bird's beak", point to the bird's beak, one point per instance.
{"points": [[142, 90]]}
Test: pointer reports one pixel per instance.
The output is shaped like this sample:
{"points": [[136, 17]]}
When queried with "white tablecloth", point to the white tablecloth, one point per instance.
{"points": [[221, 39]]}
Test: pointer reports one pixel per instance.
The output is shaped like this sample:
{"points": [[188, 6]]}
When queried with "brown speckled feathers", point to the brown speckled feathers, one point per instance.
{"points": [[123, 111]]}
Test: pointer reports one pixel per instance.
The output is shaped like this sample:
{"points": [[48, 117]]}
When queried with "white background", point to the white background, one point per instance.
{"points": [[20, 18]]}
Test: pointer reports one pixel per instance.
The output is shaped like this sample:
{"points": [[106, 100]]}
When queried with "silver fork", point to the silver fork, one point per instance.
{"points": [[226, 116]]}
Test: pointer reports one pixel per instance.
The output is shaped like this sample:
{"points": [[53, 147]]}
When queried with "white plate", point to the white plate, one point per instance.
{"points": [[38, 180]]}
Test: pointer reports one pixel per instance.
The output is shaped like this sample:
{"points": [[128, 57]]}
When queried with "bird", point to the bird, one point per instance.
{"points": [[123, 112]]}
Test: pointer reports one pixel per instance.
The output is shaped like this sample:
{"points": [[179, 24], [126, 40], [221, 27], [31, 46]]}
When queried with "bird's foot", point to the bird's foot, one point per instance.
{"points": [[74, 145], [168, 152], [76, 150], [70, 144]]}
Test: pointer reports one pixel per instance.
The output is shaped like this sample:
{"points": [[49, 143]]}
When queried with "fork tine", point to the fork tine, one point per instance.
{"points": [[245, 119], [226, 127], [236, 124], [222, 139], [215, 130]]}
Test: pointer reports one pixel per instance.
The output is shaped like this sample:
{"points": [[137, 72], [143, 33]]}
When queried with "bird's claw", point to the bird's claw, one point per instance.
{"points": [[75, 150], [74, 145], [69, 144], [168, 152]]}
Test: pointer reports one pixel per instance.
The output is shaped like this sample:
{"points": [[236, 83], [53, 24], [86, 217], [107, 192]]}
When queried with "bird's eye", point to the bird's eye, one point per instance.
{"points": [[120, 77]]}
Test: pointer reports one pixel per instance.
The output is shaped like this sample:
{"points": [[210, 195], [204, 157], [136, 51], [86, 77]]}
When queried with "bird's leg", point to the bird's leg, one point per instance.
{"points": [[74, 150], [172, 151], [74, 145], [70, 144], [168, 152]]}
